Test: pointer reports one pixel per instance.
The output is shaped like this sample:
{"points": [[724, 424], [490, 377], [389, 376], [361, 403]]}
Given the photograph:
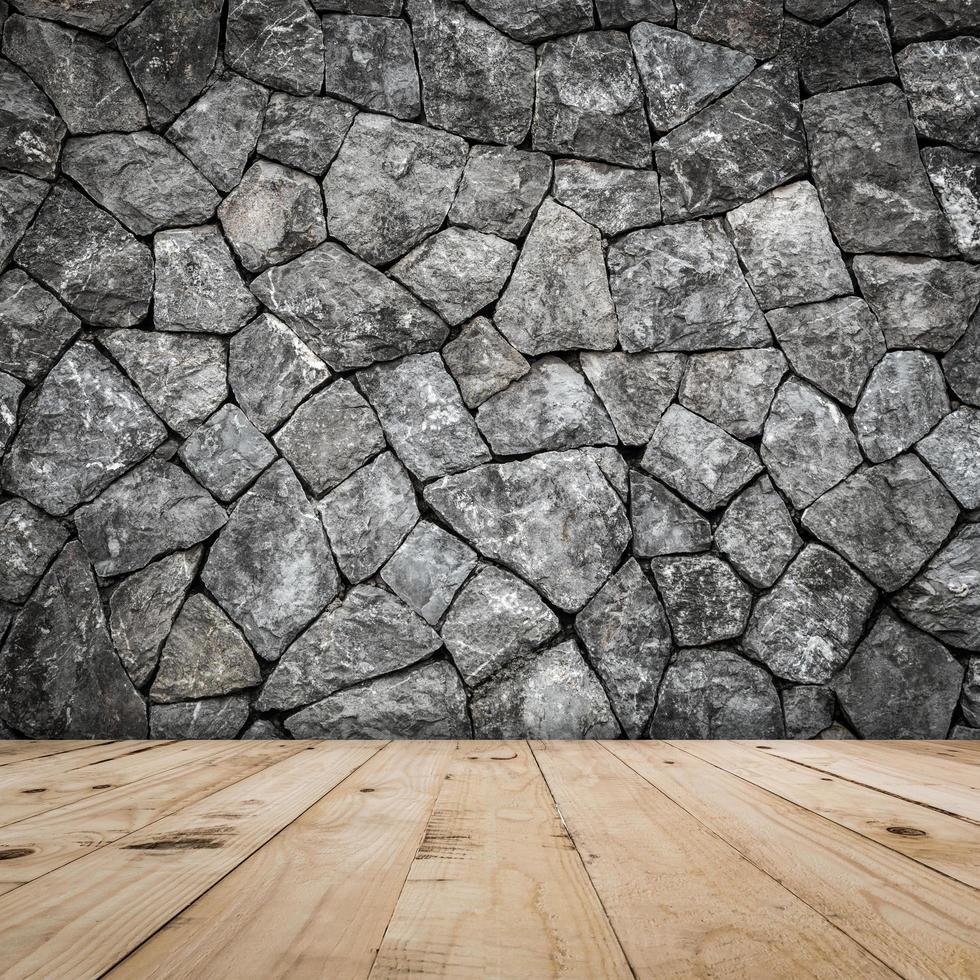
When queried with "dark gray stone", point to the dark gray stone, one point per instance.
{"points": [[20, 197], [970, 702], [900, 683], [30, 130], [482, 362], [59, 676], [368, 516], [423, 702], [496, 618], [552, 694], [10, 391], [914, 19], [962, 364], [271, 568], [261, 728], [554, 519], [662, 523], [888, 519], [714, 693], [679, 287], [31, 539], [536, 20], [614, 199], [87, 425], [753, 25], [622, 13], [104, 17], [213, 718], [952, 450], [808, 709], [955, 177], [963, 732], [370, 61], [806, 628], [373, 8], [305, 133], [837, 732]]}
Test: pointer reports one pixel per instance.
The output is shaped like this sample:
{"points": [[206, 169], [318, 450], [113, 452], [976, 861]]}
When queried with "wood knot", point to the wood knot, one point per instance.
{"points": [[907, 832], [10, 853]]}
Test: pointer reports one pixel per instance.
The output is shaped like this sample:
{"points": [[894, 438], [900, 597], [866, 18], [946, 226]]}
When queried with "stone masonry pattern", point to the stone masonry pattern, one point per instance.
{"points": [[553, 368]]}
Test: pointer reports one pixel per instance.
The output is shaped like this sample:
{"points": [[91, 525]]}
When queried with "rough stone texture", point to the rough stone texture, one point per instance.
{"points": [[210, 718], [20, 197], [551, 695], [662, 523], [30, 130], [104, 17], [971, 692], [680, 287], [10, 392], [751, 26], [962, 364], [31, 540], [952, 450], [900, 683], [306, 132], [482, 362], [808, 709], [614, 199], [714, 693], [805, 629], [915, 19], [536, 20], [955, 177], [622, 13]]}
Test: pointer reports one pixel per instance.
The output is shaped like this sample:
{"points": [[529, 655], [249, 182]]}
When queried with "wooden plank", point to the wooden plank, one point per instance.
{"points": [[38, 845], [84, 918], [683, 902], [328, 883], [22, 749], [942, 842], [497, 888], [956, 749], [919, 923], [861, 766], [958, 769]]}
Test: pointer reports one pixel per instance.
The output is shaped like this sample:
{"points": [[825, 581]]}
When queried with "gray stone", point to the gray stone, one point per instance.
{"points": [[716, 694], [104, 17], [84, 78], [681, 74], [85, 256], [197, 285], [614, 468], [784, 242], [705, 600], [614, 199], [887, 519], [141, 179], [261, 728], [457, 272], [143, 607], [741, 146], [900, 683], [757, 534], [205, 655], [808, 710], [679, 287], [271, 371], [970, 702], [427, 570], [275, 214], [305, 133], [753, 26], [31, 539], [807, 445], [182, 377], [952, 450], [368, 516], [153, 509], [552, 694], [496, 618], [20, 197], [213, 718], [30, 130], [423, 702], [536, 20], [635, 388], [374, 8], [698, 459], [903, 400], [87, 425], [733, 389], [170, 50], [919, 302], [622, 13], [806, 628], [500, 190], [391, 186], [276, 44], [482, 362], [59, 676], [226, 453], [837, 732], [423, 416], [944, 599], [589, 102], [662, 523], [554, 519], [962, 364], [350, 314], [867, 131], [10, 391], [475, 81], [218, 132], [914, 19], [271, 568], [833, 344], [330, 436], [955, 177], [558, 296], [963, 732], [551, 407], [368, 634], [370, 61]]}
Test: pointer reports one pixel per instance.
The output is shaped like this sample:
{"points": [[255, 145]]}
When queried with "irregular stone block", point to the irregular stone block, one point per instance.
{"points": [[753, 26], [30, 130], [536, 20], [662, 523], [10, 391], [305, 133], [31, 539], [808, 709], [970, 702], [622, 13], [105, 17], [614, 199], [212, 718], [952, 450], [915, 19], [481, 361], [962, 364], [20, 197]]}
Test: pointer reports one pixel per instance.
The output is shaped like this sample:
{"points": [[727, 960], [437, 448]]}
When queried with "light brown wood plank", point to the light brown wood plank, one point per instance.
{"points": [[684, 903], [918, 922], [84, 918], [497, 889], [22, 749], [955, 749], [328, 884], [39, 844], [958, 770]]}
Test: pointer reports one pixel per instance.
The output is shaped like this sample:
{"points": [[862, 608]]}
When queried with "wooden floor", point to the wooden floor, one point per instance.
{"points": [[489, 859]]}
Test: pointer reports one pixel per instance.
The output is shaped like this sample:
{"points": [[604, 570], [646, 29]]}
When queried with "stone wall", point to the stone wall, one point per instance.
{"points": [[506, 369]]}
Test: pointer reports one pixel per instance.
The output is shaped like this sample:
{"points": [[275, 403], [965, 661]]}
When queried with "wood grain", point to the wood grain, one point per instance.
{"points": [[21, 750]]}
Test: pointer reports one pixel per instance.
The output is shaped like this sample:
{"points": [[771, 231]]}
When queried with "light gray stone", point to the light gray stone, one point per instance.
{"points": [[31, 539], [259, 729], [614, 199], [306, 132], [10, 391], [30, 130], [808, 709], [955, 177], [662, 523], [952, 450], [212, 718], [482, 362]]}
